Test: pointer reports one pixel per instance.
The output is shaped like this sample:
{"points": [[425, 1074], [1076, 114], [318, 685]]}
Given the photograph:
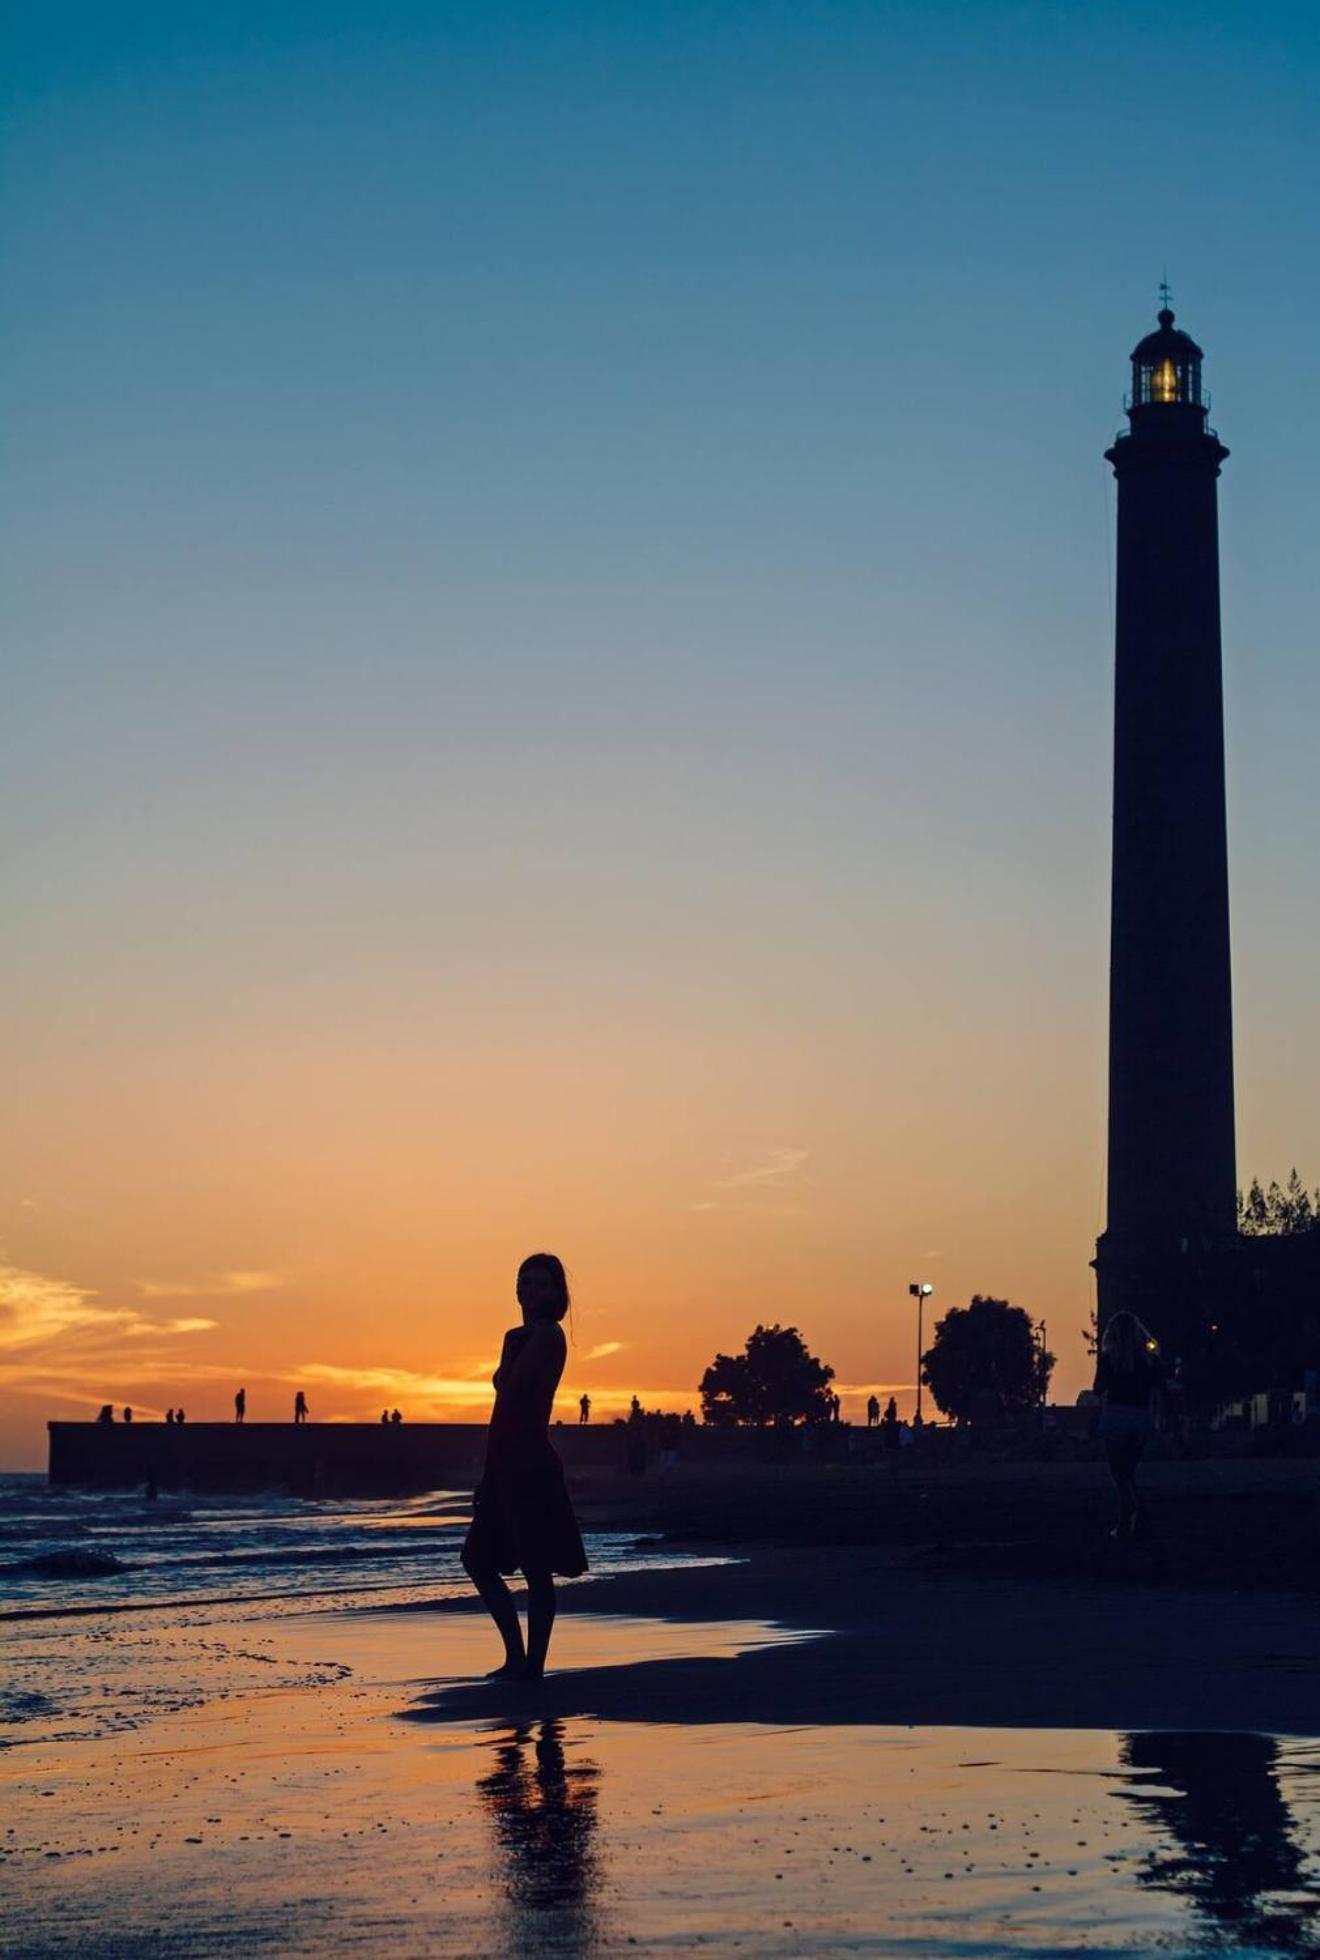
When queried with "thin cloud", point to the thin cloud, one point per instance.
{"points": [[34, 1308], [220, 1286], [396, 1383], [757, 1186], [602, 1348], [774, 1169], [40, 1314]]}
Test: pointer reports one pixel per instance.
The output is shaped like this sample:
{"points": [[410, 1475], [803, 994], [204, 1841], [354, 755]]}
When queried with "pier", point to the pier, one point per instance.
{"points": [[314, 1459]]}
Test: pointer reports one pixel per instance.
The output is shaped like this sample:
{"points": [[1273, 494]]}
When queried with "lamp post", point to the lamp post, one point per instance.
{"points": [[921, 1291]]}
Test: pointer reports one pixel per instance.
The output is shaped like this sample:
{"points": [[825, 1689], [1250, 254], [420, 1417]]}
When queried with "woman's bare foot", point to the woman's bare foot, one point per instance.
{"points": [[514, 1669]]}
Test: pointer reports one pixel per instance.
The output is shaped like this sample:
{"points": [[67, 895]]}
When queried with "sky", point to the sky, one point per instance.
{"points": [[557, 653]]}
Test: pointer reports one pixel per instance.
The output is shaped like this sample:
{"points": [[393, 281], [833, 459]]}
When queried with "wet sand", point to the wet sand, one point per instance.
{"points": [[903, 1647], [929, 1766]]}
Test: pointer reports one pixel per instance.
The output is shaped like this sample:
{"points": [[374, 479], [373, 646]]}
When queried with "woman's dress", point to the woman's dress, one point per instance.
{"points": [[522, 1519]]}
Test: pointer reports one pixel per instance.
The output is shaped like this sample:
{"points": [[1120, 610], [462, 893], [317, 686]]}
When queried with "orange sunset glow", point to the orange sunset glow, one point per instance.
{"points": [[348, 1218]]}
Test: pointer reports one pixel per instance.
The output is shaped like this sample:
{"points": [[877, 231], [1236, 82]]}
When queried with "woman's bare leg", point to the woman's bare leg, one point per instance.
{"points": [[498, 1602], [540, 1620]]}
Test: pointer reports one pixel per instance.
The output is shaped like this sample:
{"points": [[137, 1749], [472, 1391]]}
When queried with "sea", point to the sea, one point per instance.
{"points": [[65, 1551], [113, 1607]]}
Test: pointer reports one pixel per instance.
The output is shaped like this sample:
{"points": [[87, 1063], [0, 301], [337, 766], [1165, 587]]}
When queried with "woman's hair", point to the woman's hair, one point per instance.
{"points": [[546, 1266], [1127, 1339]]}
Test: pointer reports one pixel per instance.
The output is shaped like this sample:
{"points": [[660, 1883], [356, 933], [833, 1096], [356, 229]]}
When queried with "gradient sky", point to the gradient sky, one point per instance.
{"points": [[557, 661]]}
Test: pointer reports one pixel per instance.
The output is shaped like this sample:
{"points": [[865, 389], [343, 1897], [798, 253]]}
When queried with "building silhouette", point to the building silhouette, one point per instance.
{"points": [[1172, 1197]]}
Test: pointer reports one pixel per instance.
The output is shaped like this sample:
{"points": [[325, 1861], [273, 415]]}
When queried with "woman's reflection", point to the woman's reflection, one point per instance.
{"points": [[543, 1810], [1237, 1861]]}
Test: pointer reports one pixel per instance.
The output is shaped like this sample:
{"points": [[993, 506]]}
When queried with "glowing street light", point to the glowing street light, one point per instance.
{"points": [[921, 1290]]}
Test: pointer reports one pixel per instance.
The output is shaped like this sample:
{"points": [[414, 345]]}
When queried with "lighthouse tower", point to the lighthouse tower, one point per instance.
{"points": [[1172, 1201]]}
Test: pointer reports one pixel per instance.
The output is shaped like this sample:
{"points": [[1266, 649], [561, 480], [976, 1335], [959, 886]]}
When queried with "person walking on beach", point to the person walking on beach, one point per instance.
{"points": [[299, 1408], [584, 1409], [240, 1405], [522, 1520], [1128, 1378]]}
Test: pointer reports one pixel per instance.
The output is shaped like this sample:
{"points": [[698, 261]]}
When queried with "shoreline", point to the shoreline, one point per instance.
{"points": [[898, 1648], [818, 1751]]}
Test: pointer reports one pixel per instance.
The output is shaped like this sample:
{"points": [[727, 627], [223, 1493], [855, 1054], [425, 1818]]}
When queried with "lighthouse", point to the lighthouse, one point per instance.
{"points": [[1172, 1176]]}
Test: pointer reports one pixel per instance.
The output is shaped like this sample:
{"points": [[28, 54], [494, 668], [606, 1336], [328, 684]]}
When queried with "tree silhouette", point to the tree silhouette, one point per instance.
{"points": [[1278, 1212], [986, 1356], [774, 1380]]}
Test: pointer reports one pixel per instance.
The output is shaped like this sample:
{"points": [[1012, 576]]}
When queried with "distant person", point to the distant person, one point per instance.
{"points": [[178, 1415], [634, 1410], [299, 1408], [128, 1415], [240, 1405], [397, 1416], [889, 1436], [385, 1415], [522, 1520], [107, 1413], [1129, 1376], [169, 1417], [584, 1409], [872, 1411]]}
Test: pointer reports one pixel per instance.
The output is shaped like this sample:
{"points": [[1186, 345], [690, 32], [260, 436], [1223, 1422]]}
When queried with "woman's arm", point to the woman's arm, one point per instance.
{"points": [[508, 1351], [538, 1364]]}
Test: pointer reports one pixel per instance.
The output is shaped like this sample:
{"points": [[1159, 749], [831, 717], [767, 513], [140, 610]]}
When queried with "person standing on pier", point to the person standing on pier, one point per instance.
{"points": [[299, 1408], [522, 1520], [240, 1405], [584, 1409]]}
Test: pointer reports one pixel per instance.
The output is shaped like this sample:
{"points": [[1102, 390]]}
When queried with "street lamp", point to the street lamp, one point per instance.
{"points": [[921, 1290]]}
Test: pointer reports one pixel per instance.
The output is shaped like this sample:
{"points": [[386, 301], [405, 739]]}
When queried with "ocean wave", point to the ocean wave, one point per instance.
{"points": [[73, 1562]]}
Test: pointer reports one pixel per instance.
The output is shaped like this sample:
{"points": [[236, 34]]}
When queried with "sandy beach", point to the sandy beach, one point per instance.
{"points": [[795, 1750]]}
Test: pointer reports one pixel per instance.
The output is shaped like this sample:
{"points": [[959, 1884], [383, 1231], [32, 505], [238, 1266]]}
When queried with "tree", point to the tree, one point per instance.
{"points": [[775, 1379], [986, 1355], [1278, 1213]]}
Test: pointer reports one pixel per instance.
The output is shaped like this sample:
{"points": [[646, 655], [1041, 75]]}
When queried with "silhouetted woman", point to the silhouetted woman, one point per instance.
{"points": [[1128, 1378], [522, 1520]]}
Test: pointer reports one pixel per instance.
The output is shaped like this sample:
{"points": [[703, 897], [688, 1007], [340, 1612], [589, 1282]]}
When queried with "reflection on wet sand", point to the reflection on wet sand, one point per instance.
{"points": [[1237, 1861], [543, 1810]]}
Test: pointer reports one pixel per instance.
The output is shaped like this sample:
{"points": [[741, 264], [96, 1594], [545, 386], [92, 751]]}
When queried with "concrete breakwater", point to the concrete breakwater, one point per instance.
{"points": [[344, 1459], [332, 1459]]}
